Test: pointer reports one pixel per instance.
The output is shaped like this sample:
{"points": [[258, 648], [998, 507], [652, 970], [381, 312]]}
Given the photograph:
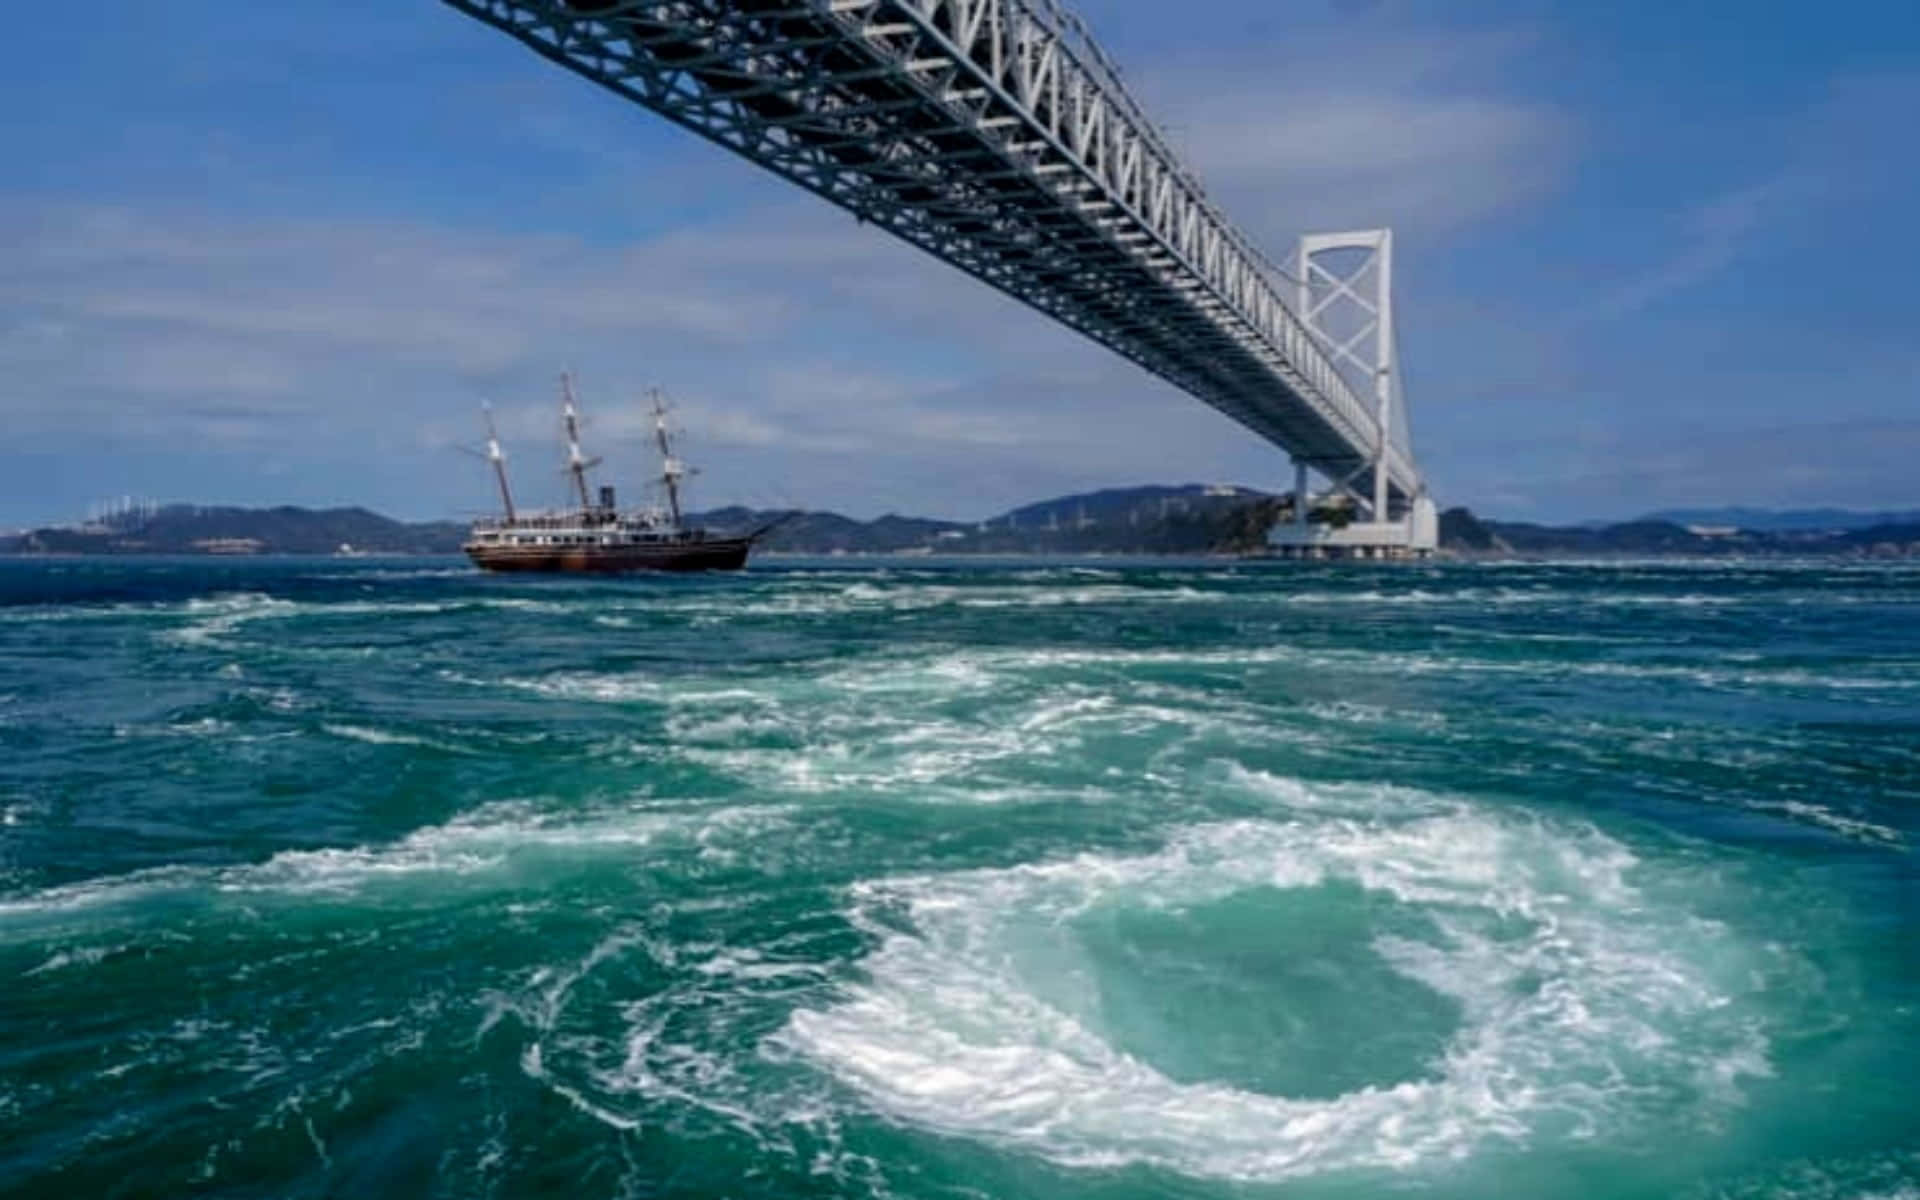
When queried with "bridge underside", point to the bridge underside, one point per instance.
{"points": [[929, 120]]}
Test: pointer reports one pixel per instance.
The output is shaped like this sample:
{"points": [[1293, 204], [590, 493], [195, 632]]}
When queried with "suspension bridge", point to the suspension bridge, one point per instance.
{"points": [[999, 137]]}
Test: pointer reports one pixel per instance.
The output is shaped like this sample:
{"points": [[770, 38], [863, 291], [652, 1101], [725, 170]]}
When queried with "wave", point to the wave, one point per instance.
{"points": [[374, 736], [212, 618], [1853, 828], [77, 956], [1428, 663], [494, 838], [378, 737], [216, 616], [867, 595]]}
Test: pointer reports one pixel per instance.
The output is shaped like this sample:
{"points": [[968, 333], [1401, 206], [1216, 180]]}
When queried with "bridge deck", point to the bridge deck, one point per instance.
{"points": [[992, 134]]}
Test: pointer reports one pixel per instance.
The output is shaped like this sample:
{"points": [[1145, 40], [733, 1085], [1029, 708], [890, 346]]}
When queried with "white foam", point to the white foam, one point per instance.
{"points": [[722, 730], [873, 745], [204, 727], [1574, 992], [1374, 662], [1348, 712], [1356, 801], [79, 956], [1504, 597], [535, 1069], [491, 838], [526, 604], [662, 1066], [614, 689], [882, 594], [943, 674], [1850, 827], [222, 614], [214, 617], [484, 839], [374, 736], [893, 728]]}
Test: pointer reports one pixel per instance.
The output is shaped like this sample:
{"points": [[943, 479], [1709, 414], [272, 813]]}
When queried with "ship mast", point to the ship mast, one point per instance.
{"points": [[671, 468], [577, 463], [498, 458]]}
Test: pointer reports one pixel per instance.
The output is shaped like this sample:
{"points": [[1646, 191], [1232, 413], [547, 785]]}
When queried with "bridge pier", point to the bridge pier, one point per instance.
{"points": [[1415, 535]]}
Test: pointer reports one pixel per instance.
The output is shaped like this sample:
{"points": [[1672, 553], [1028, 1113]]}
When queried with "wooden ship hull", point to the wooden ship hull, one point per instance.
{"points": [[713, 554]]}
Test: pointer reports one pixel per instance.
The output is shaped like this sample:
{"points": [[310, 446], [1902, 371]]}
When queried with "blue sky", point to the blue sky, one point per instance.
{"points": [[1649, 255]]}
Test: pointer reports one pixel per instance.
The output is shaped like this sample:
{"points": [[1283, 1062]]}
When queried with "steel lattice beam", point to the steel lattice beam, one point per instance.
{"points": [[995, 135]]}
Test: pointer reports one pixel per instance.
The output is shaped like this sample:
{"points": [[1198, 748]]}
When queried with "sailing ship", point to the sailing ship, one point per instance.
{"points": [[597, 535]]}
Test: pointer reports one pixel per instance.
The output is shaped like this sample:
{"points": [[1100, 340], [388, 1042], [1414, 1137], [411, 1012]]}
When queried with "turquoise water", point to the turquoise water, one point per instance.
{"points": [[960, 880]]}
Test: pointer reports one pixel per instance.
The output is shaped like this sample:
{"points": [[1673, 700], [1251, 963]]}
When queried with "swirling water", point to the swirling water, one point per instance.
{"points": [[1032, 879]]}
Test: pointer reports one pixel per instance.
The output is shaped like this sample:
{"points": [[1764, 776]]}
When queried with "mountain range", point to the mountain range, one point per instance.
{"points": [[1191, 518], [1462, 533], [1767, 520], [1160, 519]]}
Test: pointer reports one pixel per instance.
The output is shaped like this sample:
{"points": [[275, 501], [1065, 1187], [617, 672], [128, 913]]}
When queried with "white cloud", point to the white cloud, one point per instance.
{"points": [[1416, 133], [813, 358], [475, 301], [1714, 235]]}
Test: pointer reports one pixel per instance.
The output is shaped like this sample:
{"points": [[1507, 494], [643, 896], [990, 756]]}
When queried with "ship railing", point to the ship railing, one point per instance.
{"points": [[571, 519]]}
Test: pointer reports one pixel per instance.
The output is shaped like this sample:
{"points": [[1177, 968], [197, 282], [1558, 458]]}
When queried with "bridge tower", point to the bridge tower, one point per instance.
{"points": [[1343, 294]]}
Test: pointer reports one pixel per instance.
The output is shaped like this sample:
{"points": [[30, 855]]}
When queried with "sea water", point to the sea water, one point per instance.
{"points": [[899, 878]]}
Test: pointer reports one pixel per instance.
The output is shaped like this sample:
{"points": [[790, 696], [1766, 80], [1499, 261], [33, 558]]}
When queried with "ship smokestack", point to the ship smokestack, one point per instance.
{"points": [[606, 496]]}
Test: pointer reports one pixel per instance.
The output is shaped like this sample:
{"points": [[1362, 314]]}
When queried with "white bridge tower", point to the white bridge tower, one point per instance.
{"points": [[1343, 294]]}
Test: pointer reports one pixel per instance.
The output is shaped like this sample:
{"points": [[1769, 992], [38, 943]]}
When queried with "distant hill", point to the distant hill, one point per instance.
{"points": [[1461, 530], [191, 529], [1123, 505], [1184, 519], [1463, 533], [1783, 520], [828, 532], [1885, 539]]}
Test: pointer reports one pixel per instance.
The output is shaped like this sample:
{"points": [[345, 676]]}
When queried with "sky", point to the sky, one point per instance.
{"points": [[1648, 255]]}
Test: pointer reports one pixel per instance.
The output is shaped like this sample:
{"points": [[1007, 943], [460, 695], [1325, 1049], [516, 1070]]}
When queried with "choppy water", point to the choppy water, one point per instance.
{"points": [[1022, 880]]}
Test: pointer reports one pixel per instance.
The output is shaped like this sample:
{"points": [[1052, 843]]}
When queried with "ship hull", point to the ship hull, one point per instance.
{"points": [[718, 554]]}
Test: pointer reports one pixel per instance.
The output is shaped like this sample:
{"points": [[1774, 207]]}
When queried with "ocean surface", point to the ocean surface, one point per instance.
{"points": [[900, 878]]}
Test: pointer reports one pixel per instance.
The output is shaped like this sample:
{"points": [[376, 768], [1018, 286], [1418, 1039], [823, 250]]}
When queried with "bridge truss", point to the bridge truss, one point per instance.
{"points": [[996, 135]]}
